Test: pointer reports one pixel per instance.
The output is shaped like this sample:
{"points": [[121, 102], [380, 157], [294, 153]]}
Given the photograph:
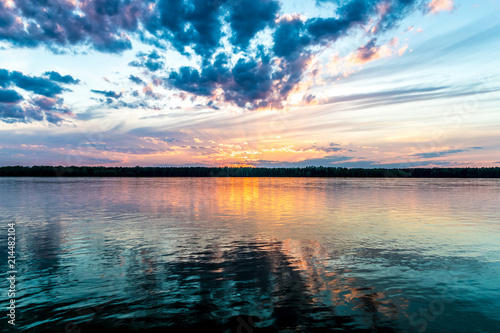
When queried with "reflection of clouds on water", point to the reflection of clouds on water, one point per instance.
{"points": [[263, 284]]}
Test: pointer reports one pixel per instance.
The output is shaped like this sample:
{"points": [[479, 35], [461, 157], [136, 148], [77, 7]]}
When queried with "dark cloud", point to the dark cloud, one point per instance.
{"points": [[26, 113], [45, 104], [136, 79], [212, 105], [37, 85], [309, 99], [330, 149], [102, 24], [9, 96], [4, 78], [204, 82], [149, 64], [327, 149], [15, 113], [67, 79], [108, 93], [291, 37], [153, 65], [439, 153], [95, 161], [250, 83], [150, 61], [189, 23], [367, 51], [248, 17], [152, 55]]}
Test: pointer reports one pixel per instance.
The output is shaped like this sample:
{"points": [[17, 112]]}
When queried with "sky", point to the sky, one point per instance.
{"points": [[264, 83]]}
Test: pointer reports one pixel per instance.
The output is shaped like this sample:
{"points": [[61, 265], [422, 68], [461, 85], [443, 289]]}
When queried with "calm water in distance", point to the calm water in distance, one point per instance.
{"points": [[253, 254]]}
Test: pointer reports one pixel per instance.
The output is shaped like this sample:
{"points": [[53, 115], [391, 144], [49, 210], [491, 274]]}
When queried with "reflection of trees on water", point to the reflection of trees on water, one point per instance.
{"points": [[259, 286], [234, 287]]}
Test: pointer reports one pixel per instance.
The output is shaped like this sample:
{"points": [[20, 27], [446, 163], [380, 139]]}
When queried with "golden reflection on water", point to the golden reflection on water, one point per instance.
{"points": [[350, 211]]}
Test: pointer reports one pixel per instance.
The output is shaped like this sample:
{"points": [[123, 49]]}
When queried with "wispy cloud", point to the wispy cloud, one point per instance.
{"points": [[435, 154]]}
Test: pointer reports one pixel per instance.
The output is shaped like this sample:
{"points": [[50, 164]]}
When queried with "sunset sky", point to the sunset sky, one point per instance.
{"points": [[350, 83]]}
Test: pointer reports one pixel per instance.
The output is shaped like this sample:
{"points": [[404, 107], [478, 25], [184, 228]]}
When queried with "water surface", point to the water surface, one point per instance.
{"points": [[254, 254]]}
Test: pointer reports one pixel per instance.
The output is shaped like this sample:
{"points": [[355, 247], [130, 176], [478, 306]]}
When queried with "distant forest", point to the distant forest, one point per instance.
{"points": [[85, 171]]}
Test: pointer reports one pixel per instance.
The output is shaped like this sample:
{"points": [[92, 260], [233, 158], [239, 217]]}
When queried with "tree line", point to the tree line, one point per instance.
{"points": [[100, 171]]}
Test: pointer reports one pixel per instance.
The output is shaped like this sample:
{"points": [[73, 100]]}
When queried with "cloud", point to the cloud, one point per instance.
{"points": [[136, 79], [329, 149], [436, 6], [38, 85], [10, 96], [329, 160], [95, 161], [371, 51], [252, 82], [148, 91], [408, 94], [439, 153], [291, 37], [67, 79], [189, 23], [15, 113], [133, 151], [45, 103], [4, 78], [402, 164], [51, 104], [101, 24], [107, 93], [41, 109], [150, 61], [368, 51], [248, 17]]}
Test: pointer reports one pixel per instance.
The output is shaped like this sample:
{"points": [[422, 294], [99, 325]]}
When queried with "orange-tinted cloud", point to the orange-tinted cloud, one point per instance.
{"points": [[436, 6], [369, 52]]}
